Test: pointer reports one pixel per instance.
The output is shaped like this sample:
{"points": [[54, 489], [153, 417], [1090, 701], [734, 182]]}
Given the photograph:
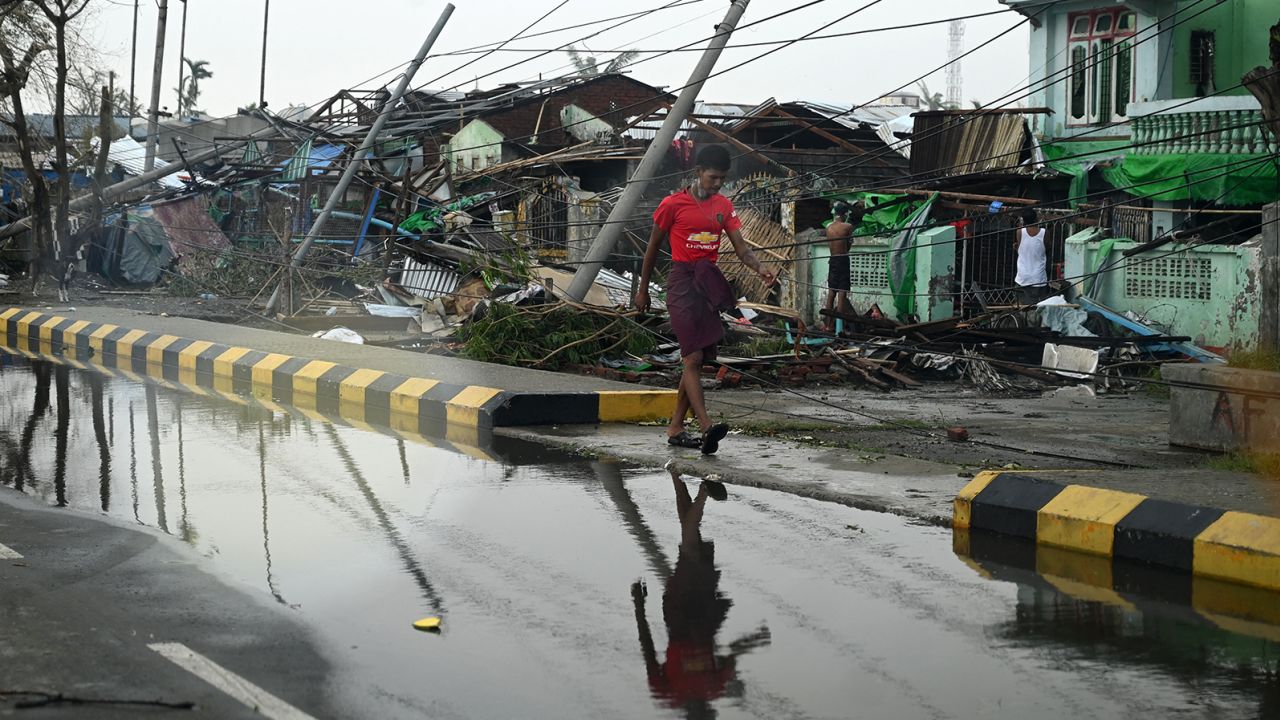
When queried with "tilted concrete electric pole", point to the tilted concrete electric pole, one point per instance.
{"points": [[369, 141], [153, 115], [602, 248]]}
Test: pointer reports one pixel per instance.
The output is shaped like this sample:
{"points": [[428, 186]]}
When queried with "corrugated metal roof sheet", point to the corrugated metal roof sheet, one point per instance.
{"points": [[319, 157], [947, 143], [648, 130], [252, 155], [428, 279], [77, 126], [872, 115], [132, 156]]}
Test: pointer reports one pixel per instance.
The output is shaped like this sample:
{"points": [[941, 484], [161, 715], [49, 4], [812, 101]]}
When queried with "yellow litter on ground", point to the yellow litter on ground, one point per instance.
{"points": [[429, 624]]}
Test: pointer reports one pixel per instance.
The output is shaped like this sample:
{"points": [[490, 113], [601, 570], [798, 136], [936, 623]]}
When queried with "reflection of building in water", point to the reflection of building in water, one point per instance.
{"points": [[1084, 609]]}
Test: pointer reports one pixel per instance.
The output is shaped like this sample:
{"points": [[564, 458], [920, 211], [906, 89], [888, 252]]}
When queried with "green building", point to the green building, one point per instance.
{"points": [[1151, 122]]}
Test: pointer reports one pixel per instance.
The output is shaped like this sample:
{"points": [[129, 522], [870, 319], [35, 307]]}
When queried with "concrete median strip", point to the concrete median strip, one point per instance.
{"points": [[1208, 542], [361, 394]]}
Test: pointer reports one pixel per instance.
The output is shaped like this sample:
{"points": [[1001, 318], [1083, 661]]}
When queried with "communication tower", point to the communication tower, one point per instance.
{"points": [[955, 80]]}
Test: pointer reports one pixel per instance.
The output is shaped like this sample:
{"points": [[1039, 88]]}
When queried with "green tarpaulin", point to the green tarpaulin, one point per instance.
{"points": [[902, 261], [1221, 178], [1077, 160], [879, 221]]}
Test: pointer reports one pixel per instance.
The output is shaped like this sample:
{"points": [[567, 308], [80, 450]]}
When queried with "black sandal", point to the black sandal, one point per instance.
{"points": [[684, 440], [711, 441]]}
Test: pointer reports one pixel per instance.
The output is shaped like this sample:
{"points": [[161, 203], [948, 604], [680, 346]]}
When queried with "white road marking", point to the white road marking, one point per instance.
{"points": [[251, 695], [8, 553]]}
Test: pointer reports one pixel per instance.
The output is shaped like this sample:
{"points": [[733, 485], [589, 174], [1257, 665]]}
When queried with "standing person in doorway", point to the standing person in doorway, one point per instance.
{"points": [[693, 221], [839, 233], [1032, 277]]}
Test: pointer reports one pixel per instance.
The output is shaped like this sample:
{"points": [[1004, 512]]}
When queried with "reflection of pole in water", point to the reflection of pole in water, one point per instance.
{"points": [[100, 435], [266, 536], [62, 376], [610, 477], [133, 464], [38, 409], [157, 474], [404, 460], [184, 526], [405, 552]]}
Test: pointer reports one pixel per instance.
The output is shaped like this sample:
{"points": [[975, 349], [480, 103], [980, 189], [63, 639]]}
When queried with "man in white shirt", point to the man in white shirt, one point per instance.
{"points": [[1032, 278]]}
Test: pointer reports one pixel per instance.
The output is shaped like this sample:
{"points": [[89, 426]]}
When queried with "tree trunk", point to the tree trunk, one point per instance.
{"points": [[39, 201], [62, 221], [104, 146], [14, 81]]}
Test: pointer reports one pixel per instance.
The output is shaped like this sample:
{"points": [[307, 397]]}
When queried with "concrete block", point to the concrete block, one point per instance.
{"points": [[1228, 409]]}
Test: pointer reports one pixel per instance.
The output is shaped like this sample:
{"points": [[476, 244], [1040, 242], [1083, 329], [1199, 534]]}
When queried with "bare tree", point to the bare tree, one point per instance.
{"points": [[19, 26], [84, 90], [60, 14]]}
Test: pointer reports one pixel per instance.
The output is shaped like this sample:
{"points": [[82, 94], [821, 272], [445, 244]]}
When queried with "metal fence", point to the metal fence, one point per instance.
{"points": [[988, 262]]}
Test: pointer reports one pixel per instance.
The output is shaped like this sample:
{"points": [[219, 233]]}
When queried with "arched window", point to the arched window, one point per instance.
{"points": [[1102, 73]]}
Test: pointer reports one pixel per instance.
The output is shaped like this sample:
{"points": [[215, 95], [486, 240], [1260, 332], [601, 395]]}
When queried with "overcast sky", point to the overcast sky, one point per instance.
{"points": [[317, 47]]}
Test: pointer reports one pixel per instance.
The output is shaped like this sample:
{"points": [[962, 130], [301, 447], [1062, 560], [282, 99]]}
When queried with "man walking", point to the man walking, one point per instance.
{"points": [[693, 221]]}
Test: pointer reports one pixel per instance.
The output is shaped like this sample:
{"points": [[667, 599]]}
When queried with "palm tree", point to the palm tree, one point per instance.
{"points": [[932, 100], [190, 91], [589, 65]]}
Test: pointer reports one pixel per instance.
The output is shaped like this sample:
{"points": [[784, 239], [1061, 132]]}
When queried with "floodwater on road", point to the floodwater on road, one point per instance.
{"points": [[575, 588]]}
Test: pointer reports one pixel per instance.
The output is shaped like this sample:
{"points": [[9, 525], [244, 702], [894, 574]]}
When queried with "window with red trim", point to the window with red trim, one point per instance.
{"points": [[1100, 50]]}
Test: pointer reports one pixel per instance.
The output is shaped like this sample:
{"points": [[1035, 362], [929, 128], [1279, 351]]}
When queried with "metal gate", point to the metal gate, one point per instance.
{"points": [[988, 262], [547, 221]]}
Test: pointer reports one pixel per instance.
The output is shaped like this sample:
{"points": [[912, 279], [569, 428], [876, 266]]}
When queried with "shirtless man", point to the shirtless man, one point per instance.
{"points": [[839, 233]]}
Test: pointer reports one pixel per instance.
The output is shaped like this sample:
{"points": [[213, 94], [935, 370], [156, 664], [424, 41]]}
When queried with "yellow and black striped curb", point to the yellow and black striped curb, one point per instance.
{"points": [[1214, 543], [464, 440], [362, 394], [1131, 586]]}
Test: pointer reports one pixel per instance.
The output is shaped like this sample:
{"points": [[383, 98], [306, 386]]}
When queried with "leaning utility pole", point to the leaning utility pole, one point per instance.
{"points": [[153, 115], [182, 57], [602, 248], [133, 66], [370, 139], [262, 78]]}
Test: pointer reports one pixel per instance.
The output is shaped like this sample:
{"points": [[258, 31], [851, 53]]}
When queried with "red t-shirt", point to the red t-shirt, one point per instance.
{"points": [[694, 226], [692, 672]]}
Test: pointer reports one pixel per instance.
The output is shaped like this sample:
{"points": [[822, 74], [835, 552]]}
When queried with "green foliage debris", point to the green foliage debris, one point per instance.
{"points": [[1265, 464], [551, 336], [1255, 360]]}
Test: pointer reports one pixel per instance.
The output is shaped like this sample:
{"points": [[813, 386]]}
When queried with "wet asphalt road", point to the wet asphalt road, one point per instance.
{"points": [[297, 553]]}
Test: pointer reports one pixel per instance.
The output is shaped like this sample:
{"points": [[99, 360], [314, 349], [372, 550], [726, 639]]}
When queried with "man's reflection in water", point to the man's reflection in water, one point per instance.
{"points": [[693, 608]]}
